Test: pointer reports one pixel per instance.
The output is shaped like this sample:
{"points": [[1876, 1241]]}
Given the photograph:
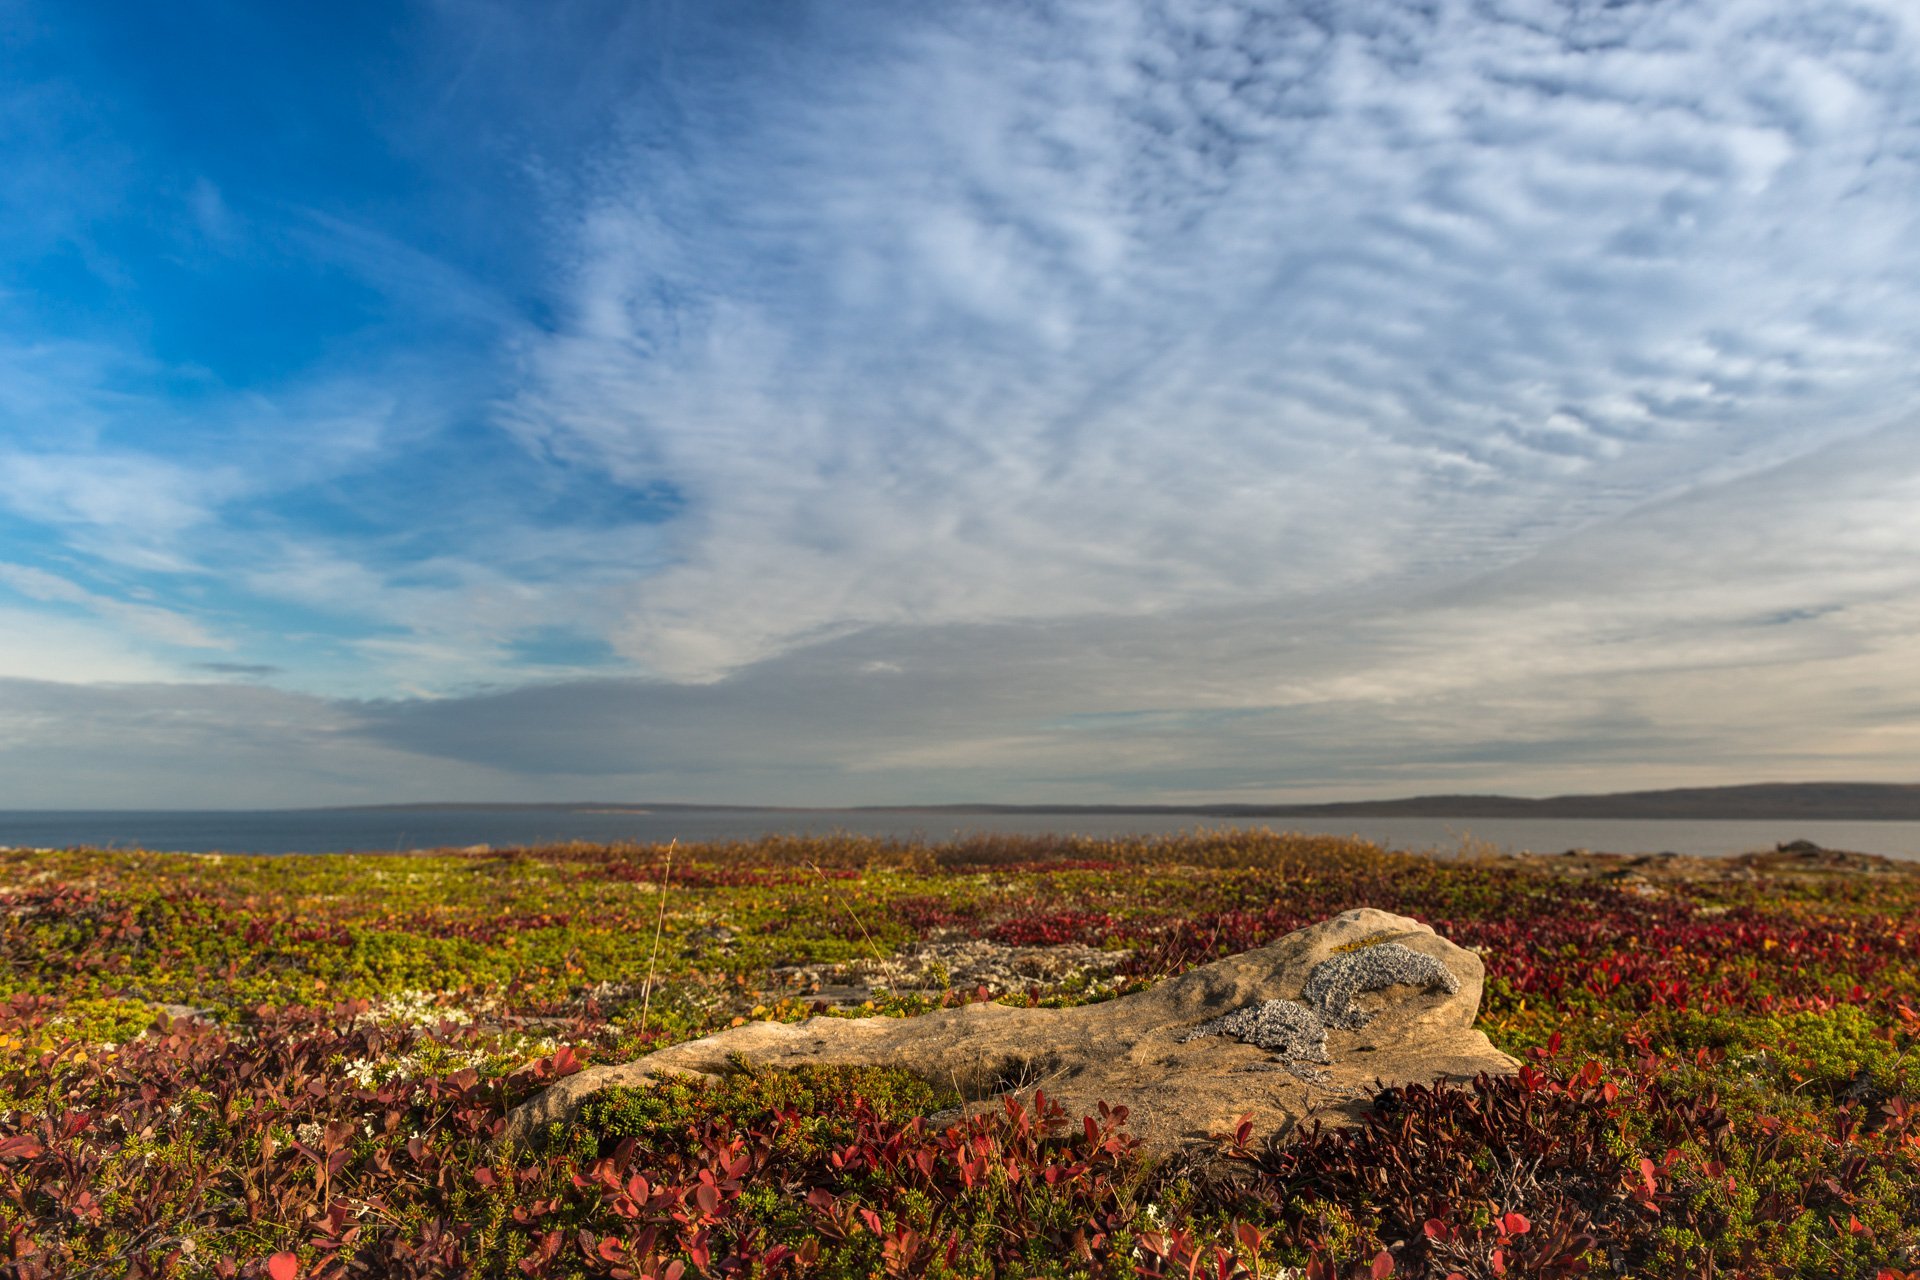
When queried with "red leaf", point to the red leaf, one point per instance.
{"points": [[706, 1197], [1382, 1265], [20, 1147], [283, 1266], [1438, 1230], [1515, 1224]]}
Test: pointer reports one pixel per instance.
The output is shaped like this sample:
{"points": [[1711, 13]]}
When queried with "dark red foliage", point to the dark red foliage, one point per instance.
{"points": [[924, 912], [1517, 1176], [1052, 928]]}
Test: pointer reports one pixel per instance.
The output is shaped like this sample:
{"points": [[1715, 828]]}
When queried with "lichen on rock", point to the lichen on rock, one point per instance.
{"points": [[1334, 982], [1295, 1031], [960, 963], [1285, 1028]]}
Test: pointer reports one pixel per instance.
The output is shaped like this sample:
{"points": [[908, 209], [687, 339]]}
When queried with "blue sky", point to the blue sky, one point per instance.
{"points": [[851, 402]]}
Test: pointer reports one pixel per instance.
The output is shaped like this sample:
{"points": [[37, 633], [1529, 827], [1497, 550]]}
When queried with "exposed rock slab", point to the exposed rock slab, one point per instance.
{"points": [[960, 963], [1141, 1050]]}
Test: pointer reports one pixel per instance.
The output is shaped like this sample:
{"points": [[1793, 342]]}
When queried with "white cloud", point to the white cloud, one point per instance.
{"points": [[423, 587], [1760, 628], [123, 506], [1080, 312], [1066, 400], [35, 645], [141, 621]]}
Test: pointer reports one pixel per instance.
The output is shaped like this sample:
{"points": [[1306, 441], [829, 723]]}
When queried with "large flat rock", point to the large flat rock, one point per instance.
{"points": [[1141, 1050]]}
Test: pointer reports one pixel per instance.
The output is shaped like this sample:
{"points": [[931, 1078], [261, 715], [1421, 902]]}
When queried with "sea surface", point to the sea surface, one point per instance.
{"points": [[391, 830]]}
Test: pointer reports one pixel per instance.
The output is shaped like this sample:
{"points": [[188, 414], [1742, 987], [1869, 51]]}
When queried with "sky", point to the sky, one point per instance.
{"points": [[862, 402]]}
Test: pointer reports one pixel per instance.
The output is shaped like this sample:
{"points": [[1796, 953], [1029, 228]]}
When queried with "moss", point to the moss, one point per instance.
{"points": [[100, 1021], [748, 1095], [1836, 1049]]}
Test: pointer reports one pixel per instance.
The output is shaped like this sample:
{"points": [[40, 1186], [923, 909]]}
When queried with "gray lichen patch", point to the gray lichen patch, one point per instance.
{"points": [[1334, 982], [1295, 1031], [936, 963], [1285, 1028]]}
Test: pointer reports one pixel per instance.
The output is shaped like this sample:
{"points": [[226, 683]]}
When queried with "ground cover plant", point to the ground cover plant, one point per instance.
{"points": [[297, 1067]]}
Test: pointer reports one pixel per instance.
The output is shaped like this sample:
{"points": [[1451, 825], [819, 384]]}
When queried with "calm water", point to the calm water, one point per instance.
{"points": [[323, 831]]}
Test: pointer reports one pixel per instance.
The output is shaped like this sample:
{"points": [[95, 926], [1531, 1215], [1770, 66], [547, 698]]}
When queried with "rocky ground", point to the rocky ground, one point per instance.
{"points": [[1795, 858]]}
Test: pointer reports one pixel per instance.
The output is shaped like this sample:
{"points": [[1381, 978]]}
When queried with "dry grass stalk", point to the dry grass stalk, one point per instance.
{"points": [[666, 879]]}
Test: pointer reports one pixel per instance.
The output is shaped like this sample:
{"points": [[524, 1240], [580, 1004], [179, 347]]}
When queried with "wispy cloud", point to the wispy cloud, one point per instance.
{"points": [[120, 505], [858, 402], [1069, 312], [142, 620], [1600, 662], [238, 668]]}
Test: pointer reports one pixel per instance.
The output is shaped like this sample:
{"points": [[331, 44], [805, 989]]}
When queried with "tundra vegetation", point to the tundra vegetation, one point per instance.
{"points": [[224, 1066]]}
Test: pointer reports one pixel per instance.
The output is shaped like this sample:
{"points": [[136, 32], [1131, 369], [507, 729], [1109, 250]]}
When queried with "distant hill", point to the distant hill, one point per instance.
{"points": [[1759, 802]]}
